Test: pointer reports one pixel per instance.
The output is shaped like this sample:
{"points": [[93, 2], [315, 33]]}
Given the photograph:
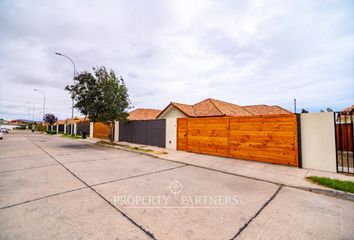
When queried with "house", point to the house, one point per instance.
{"points": [[139, 130], [209, 108], [60, 126], [349, 109], [143, 114], [346, 115]]}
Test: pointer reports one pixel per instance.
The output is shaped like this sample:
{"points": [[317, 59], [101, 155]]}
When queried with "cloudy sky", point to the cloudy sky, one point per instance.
{"points": [[245, 52]]}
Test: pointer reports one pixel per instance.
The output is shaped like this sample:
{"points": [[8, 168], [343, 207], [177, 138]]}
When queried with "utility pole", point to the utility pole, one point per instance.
{"points": [[37, 90], [32, 114], [72, 106]]}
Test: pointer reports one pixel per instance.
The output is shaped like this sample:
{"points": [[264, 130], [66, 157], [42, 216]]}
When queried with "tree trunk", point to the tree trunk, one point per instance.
{"points": [[111, 134]]}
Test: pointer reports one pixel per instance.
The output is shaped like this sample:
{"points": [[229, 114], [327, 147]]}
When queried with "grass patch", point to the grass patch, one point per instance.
{"points": [[106, 143], [130, 147], [346, 186], [71, 136], [140, 149]]}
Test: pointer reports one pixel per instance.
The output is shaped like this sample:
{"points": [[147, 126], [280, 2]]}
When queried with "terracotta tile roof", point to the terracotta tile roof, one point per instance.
{"points": [[265, 110], [213, 107], [60, 122], [71, 121], [143, 114], [185, 108], [231, 109], [348, 109]]}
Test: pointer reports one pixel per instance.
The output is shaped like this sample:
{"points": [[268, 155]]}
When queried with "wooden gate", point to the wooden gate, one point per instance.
{"points": [[100, 130], [271, 138]]}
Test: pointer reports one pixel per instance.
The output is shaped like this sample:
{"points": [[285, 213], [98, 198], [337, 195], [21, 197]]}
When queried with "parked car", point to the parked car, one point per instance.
{"points": [[1, 135], [4, 130]]}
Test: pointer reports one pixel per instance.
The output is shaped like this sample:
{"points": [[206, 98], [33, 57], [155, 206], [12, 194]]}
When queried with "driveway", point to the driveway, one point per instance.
{"points": [[57, 188]]}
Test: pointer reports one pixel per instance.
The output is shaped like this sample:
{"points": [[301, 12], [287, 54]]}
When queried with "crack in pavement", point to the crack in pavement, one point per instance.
{"points": [[141, 175], [36, 199], [258, 212], [93, 185], [101, 196], [326, 192], [29, 168]]}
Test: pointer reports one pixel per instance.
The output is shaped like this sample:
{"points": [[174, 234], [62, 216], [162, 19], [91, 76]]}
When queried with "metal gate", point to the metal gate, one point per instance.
{"points": [[83, 127], [69, 127], [147, 132], [61, 128], [344, 122]]}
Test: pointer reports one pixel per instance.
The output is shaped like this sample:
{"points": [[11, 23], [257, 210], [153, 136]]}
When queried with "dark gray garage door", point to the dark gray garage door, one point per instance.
{"points": [[147, 132], [61, 127], [83, 127]]}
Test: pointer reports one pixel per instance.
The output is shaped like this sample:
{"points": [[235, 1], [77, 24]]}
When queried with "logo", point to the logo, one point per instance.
{"points": [[175, 187], [179, 200]]}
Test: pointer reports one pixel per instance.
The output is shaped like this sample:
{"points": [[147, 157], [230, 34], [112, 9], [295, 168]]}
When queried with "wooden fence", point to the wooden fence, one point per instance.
{"points": [[271, 138], [100, 130]]}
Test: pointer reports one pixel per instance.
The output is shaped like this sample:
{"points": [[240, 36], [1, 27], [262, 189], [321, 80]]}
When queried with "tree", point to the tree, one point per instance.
{"points": [[50, 119], [101, 96]]}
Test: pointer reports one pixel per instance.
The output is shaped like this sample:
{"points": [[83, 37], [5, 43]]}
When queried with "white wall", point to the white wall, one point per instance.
{"points": [[318, 141], [91, 129], [116, 131], [171, 116]]}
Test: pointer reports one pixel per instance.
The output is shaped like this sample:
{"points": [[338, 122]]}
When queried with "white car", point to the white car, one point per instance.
{"points": [[1, 135]]}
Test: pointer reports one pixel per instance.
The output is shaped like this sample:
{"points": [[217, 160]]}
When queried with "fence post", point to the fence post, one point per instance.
{"points": [[299, 150]]}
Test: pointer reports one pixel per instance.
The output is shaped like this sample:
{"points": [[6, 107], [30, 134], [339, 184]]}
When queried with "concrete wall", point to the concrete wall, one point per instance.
{"points": [[171, 116], [116, 131], [91, 129], [318, 141]]}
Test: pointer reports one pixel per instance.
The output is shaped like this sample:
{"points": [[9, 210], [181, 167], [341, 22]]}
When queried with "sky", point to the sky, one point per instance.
{"points": [[244, 52]]}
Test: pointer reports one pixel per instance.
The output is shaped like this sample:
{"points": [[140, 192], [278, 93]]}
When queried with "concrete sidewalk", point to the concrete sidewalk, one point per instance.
{"points": [[284, 175]]}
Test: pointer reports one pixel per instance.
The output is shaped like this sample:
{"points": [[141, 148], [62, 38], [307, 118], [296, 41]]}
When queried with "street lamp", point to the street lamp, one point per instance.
{"points": [[37, 90], [72, 106], [32, 111], [60, 54]]}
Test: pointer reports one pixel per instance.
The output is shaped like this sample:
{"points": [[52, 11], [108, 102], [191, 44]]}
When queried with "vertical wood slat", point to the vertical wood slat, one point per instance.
{"points": [[100, 130], [268, 138]]}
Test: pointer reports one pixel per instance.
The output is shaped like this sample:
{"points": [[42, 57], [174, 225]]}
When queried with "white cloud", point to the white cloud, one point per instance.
{"points": [[246, 52]]}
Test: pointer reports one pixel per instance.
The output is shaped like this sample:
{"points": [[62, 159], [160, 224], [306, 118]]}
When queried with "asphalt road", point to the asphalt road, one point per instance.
{"points": [[57, 188]]}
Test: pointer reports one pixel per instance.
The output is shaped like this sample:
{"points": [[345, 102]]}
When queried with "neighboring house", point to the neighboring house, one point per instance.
{"points": [[69, 126], [60, 126], [346, 115], [143, 114], [349, 109], [209, 108], [18, 121], [137, 129]]}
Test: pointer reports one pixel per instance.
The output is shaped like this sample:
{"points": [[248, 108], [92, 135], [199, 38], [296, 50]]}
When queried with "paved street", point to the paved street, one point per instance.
{"points": [[57, 188]]}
